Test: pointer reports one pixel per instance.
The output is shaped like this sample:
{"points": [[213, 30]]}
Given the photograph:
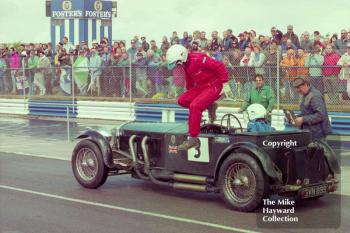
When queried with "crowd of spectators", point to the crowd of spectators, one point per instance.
{"points": [[103, 69]]}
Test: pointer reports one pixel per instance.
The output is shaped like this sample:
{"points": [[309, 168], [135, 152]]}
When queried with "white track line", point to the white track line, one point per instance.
{"points": [[34, 155], [135, 211]]}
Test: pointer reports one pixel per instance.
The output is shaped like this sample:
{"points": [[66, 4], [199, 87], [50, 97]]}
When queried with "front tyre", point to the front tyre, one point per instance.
{"points": [[242, 182], [88, 166]]}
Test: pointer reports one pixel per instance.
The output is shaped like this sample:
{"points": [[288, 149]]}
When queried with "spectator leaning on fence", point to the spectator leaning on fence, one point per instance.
{"points": [[216, 41], [315, 61], [247, 59], [141, 74], [48, 52], [235, 45], [186, 40], [137, 41], [81, 71], [306, 44], [154, 75], [203, 40], [154, 47], [270, 65], [216, 53], [292, 36], [289, 69], [165, 45], [247, 69], [317, 40], [125, 63], [252, 35], [48, 80], [242, 41], [288, 45], [15, 63], [344, 62], [258, 61], [132, 50], [300, 58], [330, 74], [95, 72], [32, 65], [3, 66], [196, 36], [67, 45], [117, 55], [64, 61], [230, 35], [42, 70], [341, 43], [265, 42], [326, 41], [276, 35], [334, 38], [230, 87], [174, 39], [115, 47], [227, 42], [234, 57], [107, 87], [144, 44]]}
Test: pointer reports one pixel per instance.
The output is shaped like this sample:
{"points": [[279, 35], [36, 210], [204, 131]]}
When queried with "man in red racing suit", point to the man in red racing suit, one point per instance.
{"points": [[204, 81]]}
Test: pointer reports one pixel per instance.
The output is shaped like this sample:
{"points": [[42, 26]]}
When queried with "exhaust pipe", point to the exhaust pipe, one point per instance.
{"points": [[146, 167], [134, 158], [191, 187], [179, 177], [147, 164], [192, 178]]}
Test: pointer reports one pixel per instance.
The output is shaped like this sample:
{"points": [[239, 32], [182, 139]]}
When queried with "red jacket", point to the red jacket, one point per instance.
{"points": [[15, 61], [202, 70], [331, 59]]}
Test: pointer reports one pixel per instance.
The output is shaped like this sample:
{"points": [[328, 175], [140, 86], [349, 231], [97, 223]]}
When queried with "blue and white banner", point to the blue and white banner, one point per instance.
{"points": [[81, 20], [67, 9]]}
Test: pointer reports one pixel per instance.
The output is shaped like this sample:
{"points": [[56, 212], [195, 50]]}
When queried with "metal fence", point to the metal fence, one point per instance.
{"points": [[154, 81]]}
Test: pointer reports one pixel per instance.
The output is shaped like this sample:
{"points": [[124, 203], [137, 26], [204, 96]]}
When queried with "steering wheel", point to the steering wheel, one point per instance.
{"points": [[229, 128]]}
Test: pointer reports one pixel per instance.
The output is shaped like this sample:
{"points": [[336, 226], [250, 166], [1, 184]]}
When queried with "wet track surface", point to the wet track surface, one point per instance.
{"points": [[41, 195], [54, 130]]}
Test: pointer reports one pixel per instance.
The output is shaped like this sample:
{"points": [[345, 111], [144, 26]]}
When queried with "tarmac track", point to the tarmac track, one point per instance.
{"points": [[41, 195]]}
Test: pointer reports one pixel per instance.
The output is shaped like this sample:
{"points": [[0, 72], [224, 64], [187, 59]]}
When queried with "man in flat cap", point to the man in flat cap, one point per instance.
{"points": [[314, 115]]}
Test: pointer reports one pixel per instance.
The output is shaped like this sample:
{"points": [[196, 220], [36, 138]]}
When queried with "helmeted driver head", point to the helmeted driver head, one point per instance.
{"points": [[256, 111], [176, 54]]}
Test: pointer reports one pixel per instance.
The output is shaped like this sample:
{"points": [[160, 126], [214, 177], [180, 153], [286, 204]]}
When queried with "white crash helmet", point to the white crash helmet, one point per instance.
{"points": [[256, 111], [175, 54]]}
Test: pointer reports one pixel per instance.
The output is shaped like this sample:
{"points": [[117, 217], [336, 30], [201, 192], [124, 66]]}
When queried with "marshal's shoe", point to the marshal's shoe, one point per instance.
{"points": [[190, 143]]}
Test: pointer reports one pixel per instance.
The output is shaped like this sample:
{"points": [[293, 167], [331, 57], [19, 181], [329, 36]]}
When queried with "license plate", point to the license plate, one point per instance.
{"points": [[314, 191]]}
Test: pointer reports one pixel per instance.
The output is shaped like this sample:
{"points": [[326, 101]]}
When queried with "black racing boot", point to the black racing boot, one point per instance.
{"points": [[190, 143], [212, 112]]}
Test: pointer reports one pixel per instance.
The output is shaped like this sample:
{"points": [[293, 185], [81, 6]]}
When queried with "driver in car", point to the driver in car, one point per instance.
{"points": [[204, 81]]}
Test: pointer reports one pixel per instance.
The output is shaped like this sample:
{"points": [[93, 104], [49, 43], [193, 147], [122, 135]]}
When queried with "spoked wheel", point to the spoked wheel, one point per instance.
{"points": [[242, 182], [88, 166]]}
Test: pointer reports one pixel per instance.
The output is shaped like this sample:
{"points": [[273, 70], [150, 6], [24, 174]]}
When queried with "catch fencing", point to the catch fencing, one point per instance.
{"points": [[133, 81]]}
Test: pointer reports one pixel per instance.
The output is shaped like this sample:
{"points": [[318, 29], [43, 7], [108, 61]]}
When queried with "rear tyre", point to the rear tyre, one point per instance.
{"points": [[88, 166], [242, 182]]}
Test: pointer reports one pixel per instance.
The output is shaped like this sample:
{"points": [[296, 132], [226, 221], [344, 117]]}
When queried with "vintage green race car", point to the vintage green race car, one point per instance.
{"points": [[244, 167]]}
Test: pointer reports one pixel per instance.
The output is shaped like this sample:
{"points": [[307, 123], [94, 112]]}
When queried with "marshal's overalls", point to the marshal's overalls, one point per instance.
{"points": [[204, 80]]}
